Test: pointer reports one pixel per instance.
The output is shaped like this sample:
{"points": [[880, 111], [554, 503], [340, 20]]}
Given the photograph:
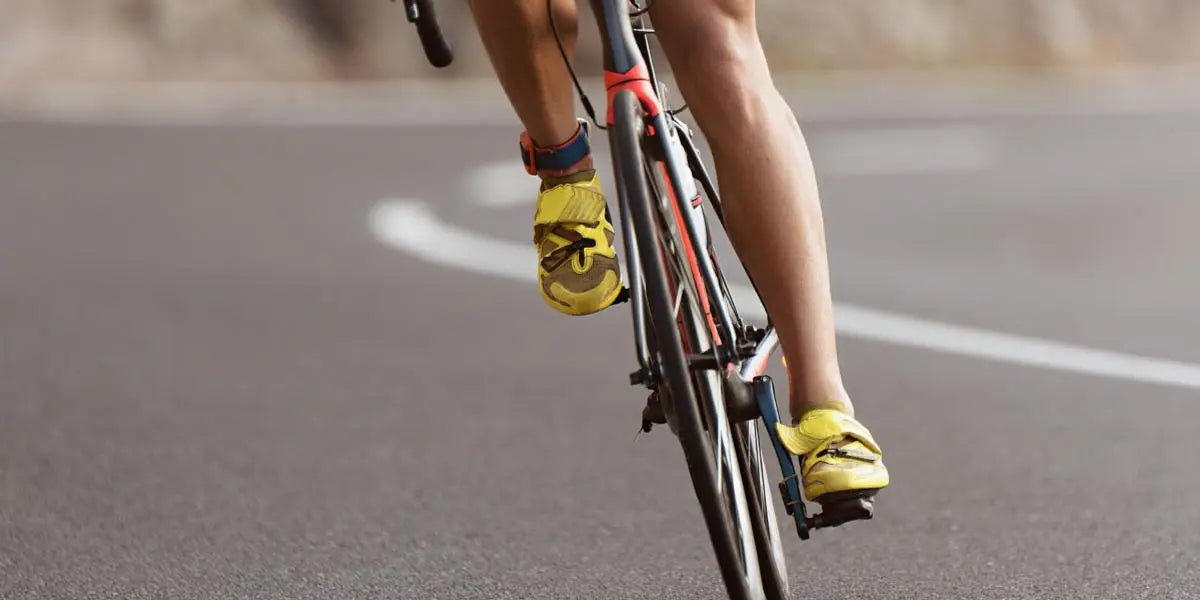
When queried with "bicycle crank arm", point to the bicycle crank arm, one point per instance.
{"points": [[764, 395]]}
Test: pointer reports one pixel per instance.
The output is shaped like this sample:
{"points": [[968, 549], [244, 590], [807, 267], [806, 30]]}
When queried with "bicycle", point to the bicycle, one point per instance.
{"points": [[702, 364]]}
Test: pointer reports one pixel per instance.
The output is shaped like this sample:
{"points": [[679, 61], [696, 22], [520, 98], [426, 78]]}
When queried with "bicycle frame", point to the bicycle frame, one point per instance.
{"points": [[739, 353], [627, 67], [741, 356]]}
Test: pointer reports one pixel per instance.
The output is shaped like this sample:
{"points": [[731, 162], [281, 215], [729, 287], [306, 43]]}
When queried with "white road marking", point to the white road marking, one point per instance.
{"points": [[853, 152], [505, 184], [908, 150], [501, 184], [410, 226]]}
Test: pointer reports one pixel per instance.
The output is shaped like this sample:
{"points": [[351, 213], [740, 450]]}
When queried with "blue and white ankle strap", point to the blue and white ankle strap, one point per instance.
{"points": [[556, 160]]}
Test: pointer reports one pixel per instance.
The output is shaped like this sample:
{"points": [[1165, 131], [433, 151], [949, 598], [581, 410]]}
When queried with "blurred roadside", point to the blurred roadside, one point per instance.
{"points": [[65, 52], [138, 40]]}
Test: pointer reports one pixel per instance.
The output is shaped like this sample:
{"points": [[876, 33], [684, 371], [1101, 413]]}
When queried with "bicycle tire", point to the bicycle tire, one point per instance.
{"points": [[756, 487], [626, 134], [763, 518], [759, 515]]}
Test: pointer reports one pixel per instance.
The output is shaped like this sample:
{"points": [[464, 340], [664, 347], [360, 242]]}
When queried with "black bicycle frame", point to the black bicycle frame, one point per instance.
{"points": [[749, 394], [627, 66]]}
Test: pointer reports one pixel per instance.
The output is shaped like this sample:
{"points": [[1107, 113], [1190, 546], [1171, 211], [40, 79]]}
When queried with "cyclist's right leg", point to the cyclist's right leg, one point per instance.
{"points": [[774, 220], [578, 271]]}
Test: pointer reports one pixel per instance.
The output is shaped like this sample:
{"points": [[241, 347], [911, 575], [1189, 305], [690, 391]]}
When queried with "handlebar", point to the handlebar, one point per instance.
{"points": [[422, 14]]}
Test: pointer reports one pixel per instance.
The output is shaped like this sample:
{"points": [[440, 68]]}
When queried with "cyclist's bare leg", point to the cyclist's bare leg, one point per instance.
{"points": [[521, 46], [577, 268], [774, 213]]}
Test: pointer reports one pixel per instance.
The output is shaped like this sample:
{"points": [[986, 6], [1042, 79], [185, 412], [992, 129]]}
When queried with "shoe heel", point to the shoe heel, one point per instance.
{"points": [[842, 507]]}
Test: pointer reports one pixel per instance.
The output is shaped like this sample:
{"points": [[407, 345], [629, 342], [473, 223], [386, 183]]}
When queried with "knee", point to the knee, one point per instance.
{"points": [[723, 50], [718, 61], [729, 87], [733, 11], [566, 17], [529, 16]]}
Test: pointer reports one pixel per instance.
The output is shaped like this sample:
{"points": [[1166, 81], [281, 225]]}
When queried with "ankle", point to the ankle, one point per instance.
{"points": [[584, 173], [564, 159], [836, 399]]}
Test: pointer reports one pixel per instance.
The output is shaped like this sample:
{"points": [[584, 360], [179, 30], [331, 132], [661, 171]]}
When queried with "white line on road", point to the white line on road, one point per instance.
{"points": [[410, 226], [505, 184], [846, 153], [501, 184]]}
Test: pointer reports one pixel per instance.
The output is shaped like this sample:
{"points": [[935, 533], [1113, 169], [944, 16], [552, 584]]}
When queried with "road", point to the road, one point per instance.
{"points": [[218, 380]]}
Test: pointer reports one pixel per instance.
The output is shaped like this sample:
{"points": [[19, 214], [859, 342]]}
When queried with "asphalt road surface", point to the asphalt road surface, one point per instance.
{"points": [[217, 380]]}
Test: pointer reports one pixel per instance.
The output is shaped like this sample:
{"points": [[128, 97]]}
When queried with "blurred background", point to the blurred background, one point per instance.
{"points": [[268, 327], [169, 40]]}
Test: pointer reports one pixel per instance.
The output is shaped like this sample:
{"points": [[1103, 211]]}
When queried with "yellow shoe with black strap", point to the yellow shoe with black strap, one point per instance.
{"points": [[839, 459], [578, 272]]}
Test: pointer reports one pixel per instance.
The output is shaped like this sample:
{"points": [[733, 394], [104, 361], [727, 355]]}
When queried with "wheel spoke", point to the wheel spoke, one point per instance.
{"points": [[678, 301], [721, 426]]}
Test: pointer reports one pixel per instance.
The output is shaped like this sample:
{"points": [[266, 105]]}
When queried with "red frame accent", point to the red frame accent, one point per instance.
{"points": [[693, 263], [637, 80]]}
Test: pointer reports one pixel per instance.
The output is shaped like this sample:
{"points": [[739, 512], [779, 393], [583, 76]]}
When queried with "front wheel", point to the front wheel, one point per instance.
{"points": [[707, 446]]}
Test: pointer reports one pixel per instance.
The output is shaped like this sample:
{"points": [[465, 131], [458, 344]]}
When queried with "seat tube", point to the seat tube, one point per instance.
{"points": [[620, 50], [624, 67]]}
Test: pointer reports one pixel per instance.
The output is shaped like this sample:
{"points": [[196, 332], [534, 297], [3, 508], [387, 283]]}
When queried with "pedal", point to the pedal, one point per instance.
{"points": [[843, 507]]}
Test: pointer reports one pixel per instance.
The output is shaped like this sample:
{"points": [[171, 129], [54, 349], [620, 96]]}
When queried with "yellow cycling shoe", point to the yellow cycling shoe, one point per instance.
{"points": [[839, 458], [578, 273]]}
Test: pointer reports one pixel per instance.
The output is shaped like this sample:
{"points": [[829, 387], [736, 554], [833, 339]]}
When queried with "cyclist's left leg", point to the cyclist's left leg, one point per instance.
{"points": [[577, 266]]}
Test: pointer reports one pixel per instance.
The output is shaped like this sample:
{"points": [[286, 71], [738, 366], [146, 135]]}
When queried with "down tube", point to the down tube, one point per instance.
{"points": [[676, 173]]}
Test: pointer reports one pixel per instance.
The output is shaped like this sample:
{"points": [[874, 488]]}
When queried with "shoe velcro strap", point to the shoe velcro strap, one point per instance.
{"points": [[853, 450], [826, 453], [570, 203], [555, 160], [819, 428]]}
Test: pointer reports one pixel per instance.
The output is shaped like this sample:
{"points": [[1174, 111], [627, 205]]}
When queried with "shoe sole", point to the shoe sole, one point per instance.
{"points": [[566, 309]]}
